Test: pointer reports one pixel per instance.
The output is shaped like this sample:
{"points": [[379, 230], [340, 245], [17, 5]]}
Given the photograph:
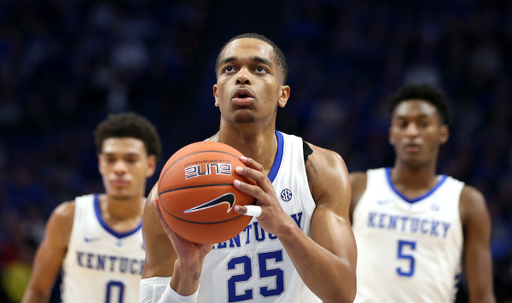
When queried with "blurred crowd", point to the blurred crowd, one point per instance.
{"points": [[66, 64]]}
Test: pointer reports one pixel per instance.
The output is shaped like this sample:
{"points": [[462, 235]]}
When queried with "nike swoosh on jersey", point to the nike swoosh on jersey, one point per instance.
{"points": [[384, 201], [228, 198], [91, 239]]}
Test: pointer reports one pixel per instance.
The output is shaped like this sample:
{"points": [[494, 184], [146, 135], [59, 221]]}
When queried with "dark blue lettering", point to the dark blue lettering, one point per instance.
{"points": [[445, 226], [381, 220], [79, 256], [433, 227], [247, 229], [271, 236], [89, 260], [371, 217], [415, 223], [392, 222], [404, 222], [297, 220], [222, 245], [101, 262], [112, 262], [257, 230], [236, 240], [132, 262], [423, 229], [123, 266]]}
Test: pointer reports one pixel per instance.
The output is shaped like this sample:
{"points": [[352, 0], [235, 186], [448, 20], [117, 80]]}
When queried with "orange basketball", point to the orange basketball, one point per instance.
{"points": [[197, 195]]}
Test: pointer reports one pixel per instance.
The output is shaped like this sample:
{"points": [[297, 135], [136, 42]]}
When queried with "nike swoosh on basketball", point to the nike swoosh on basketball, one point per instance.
{"points": [[91, 239], [228, 198]]}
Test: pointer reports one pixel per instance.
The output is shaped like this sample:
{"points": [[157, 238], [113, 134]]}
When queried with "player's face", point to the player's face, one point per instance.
{"points": [[249, 87], [416, 133], [124, 167]]}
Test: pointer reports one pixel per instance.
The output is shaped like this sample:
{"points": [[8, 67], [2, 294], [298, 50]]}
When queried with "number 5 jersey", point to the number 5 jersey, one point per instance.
{"points": [[409, 250], [101, 265]]}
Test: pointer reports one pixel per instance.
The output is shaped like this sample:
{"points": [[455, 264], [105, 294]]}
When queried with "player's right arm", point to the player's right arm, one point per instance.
{"points": [[476, 223], [168, 255], [50, 254], [358, 184]]}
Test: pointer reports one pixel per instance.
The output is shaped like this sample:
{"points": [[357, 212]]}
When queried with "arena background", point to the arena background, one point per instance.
{"points": [[66, 64]]}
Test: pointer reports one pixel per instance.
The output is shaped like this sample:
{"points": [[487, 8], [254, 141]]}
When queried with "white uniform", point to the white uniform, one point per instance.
{"points": [[254, 266], [409, 250], [101, 265]]}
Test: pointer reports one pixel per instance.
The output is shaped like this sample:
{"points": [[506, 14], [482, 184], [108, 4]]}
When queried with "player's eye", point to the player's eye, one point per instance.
{"points": [[261, 69], [131, 160], [110, 160], [228, 69]]}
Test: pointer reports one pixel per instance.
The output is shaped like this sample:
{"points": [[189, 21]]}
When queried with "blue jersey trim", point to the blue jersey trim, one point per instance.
{"points": [[388, 175], [279, 157], [106, 227]]}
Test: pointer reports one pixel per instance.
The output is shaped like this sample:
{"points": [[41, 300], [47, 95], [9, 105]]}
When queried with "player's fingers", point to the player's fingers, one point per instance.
{"points": [[255, 175], [252, 163], [249, 210], [253, 190]]}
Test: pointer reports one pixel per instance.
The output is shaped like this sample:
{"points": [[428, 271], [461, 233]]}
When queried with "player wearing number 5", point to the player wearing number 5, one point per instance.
{"points": [[413, 228], [301, 248], [97, 238]]}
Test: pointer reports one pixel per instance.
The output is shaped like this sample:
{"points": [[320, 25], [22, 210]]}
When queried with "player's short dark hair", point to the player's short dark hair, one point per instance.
{"points": [[129, 125], [426, 92], [279, 56]]}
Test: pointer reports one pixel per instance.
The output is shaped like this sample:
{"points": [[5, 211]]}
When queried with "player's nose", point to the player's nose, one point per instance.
{"points": [[243, 76], [412, 130], [120, 167]]}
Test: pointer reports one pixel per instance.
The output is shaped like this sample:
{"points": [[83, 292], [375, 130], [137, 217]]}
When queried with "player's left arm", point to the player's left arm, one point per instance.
{"points": [[476, 225]]}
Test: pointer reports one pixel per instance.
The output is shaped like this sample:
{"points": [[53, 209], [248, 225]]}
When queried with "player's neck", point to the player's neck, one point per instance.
{"points": [[259, 145], [405, 177], [115, 210]]}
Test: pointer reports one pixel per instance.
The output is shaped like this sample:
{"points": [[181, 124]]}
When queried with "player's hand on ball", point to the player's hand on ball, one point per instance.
{"points": [[273, 219], [188, 252]]}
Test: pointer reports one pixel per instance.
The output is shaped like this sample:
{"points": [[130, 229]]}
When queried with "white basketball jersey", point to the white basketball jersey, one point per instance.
{"points": [[101, 265], [409, 250], [254, 266]]}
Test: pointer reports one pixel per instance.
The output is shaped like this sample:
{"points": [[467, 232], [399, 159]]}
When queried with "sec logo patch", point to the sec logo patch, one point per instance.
{"points": [[286, 195]]}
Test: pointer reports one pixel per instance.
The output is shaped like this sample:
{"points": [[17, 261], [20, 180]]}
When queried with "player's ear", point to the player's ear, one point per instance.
{"points": [[216, 95], [390, 137], [284, 95], [445, 133], [151, 166]]}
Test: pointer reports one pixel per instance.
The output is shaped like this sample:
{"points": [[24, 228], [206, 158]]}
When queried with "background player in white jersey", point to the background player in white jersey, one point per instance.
{"points": [[301, 248], [413, 228], [97, 238]]}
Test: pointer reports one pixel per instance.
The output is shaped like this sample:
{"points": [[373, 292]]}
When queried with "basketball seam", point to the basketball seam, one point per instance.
{"points": [[194, 186]]}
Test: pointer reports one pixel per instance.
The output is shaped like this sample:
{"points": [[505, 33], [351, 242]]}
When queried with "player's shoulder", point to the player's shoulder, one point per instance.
{"points": [[60, 224], [65, 210], [329, 159], [472, 203]]}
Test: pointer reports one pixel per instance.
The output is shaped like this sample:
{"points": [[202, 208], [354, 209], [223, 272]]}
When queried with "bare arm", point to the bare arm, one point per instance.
{"points": [[182, 261], [50, 254], [477, 255], [358, 182], [326, 262]]}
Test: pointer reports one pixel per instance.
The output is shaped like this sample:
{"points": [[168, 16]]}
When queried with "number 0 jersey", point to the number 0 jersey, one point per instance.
{"points": [[101, 265], [254, 266], [409, 250]]}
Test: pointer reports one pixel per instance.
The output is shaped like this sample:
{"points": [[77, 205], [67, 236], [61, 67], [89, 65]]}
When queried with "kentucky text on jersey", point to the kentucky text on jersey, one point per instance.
{"points": [[116, 264], [255, 232], [408, 224]]}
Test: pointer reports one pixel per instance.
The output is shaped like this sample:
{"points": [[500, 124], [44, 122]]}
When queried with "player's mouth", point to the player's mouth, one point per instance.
{"points": [[412, 148], [243, 96], [119, 183]]}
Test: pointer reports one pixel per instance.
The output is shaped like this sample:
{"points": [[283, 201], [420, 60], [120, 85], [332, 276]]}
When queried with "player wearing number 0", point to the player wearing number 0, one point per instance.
{"points": [[97, 238], [301, 248], [413, 227]]}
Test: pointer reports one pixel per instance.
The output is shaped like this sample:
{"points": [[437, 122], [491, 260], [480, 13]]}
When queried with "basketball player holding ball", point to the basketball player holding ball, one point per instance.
{"points": [[300, 248], [414, 227], [97, 238]]}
